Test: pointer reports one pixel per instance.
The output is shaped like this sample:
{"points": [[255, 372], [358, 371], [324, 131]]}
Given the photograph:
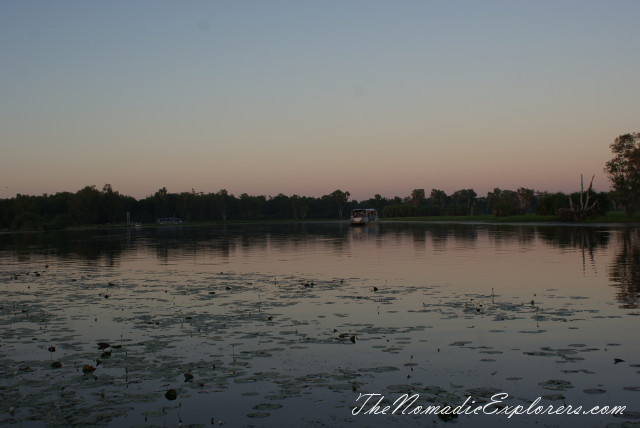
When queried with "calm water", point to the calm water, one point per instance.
{"points": [[288, 324]]}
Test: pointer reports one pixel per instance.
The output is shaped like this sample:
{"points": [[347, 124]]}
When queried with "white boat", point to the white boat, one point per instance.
{"points": [[361, 217]]}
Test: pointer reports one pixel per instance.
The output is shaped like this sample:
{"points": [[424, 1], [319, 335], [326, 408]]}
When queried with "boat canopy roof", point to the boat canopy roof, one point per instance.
{"points": [[363, 210]]}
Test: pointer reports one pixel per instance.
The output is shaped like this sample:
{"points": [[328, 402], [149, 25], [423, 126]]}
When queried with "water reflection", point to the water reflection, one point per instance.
{"points": [[222, 241], [588, 238], [625, 269], [390, 243], [266, 315]]}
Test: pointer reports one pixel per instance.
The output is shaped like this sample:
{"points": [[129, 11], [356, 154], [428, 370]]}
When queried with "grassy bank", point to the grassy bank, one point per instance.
{"points": [[612, 217], [529, 218]]}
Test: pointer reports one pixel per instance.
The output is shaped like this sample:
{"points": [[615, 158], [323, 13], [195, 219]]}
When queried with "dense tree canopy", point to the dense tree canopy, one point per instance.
{"points": [[624, 171], [417, 196], [90, 206]]}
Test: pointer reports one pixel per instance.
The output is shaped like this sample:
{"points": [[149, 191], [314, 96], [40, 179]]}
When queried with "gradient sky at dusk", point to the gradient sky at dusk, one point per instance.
{"points": [[305, 97]]}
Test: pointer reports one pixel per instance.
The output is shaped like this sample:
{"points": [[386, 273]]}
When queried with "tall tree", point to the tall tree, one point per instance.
{"points": [[439, 198], [340, 198], [223, 200], [526, 198], [84, 205], [465, 198], [161, 198], [110, 205], [299, 206], [503, 202], [378, 199], [417, 196], [250, 206], [624, 170]]}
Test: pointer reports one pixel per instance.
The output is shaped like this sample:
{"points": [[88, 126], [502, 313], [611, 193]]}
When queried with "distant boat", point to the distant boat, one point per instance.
{"points": [[362, 217]]}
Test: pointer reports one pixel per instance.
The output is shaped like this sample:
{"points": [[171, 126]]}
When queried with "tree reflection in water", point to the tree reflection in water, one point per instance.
{"points": [[625, 269], [109, 247]]}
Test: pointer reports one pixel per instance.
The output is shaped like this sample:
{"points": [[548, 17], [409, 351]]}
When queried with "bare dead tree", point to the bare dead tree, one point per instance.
{"points": [[585, 210]]}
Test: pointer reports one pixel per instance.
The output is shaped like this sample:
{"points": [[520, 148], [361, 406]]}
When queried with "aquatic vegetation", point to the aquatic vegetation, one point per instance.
{"points": [[169, 347], [556, 384]]}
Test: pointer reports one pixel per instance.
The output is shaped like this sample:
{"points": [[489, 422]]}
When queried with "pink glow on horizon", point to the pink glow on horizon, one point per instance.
{"points": [[369, 98]]}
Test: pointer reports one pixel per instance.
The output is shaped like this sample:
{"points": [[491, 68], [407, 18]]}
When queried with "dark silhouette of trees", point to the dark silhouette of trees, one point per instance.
{"points": [[340, 199], [162, 202], [251, 206], [624, 171], [550, 203], [223, 202], [279, 207], [503, 202], [84, 206], [417, 197], [439, 199], [110, 206], [526, 197], [300, 207], [463, 202], [90, 206], [377, 202]]}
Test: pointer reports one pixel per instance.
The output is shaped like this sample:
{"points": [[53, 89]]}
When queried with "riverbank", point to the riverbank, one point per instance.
{"points": [[612, 217], [609, 218]]}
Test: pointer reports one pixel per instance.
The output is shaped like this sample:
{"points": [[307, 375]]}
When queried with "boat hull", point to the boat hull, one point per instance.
{"points": [[362, 221], [362, 217]]}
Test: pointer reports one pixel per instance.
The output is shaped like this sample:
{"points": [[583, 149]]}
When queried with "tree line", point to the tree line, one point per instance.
{"points": [[91, 206]]}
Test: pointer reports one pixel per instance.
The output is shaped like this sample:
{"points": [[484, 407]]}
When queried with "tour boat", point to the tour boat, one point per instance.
{"points": [[361, 217]]}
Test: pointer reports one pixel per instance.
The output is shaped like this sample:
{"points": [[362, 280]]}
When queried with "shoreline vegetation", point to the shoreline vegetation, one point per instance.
{"points": [[611, 218], [90, 207]]}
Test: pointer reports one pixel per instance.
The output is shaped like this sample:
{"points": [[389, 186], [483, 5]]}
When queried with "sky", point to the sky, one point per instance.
{"points": [[306, 97]]}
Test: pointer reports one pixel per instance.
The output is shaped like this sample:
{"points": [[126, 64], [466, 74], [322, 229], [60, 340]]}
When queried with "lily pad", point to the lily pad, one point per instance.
{"points": [[382, 369], [267, 406], [258, 415], [594, 391], [556, 385]]}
